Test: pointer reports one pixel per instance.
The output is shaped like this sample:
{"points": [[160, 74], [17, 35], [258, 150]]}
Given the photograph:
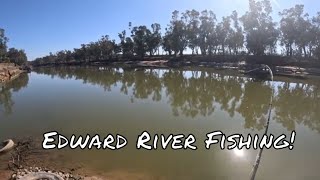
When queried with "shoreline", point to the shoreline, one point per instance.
{"points": [[28, 159], [242, 67], [10, 71]]}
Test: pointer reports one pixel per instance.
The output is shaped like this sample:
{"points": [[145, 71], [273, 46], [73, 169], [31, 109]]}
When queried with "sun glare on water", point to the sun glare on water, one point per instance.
{"points": [[238, 152]]}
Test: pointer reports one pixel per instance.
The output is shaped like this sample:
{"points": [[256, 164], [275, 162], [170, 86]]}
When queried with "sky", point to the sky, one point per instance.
{"points": [[43, 26]]}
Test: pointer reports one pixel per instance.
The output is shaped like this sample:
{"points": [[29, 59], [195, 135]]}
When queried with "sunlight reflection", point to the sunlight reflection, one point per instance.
{"points": [[239, 152]]}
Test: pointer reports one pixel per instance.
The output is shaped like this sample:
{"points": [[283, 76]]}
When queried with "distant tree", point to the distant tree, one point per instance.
{"points": [[296, 30], [179, 33], [141, 35], [69, 56], [223, 31], [167, 42], [78, 54], [16, 56], [94, 51], [316, 35], [260, 30], [51, 58], [106, 47], [154, 38], [116, 48], [61, 56], [3, 45], [126, 44], [192, 29], [235, 39], [207, 35]]}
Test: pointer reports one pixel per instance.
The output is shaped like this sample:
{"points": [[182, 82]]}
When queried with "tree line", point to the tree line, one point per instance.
{"points": [[254, 33], [11, 55]]}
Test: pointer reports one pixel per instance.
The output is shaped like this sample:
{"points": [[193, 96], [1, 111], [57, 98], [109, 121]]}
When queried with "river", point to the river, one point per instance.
{"points": [[81, 101]]}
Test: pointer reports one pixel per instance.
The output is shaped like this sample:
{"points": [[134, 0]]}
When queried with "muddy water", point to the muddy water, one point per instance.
{"points": [[85, 101]]}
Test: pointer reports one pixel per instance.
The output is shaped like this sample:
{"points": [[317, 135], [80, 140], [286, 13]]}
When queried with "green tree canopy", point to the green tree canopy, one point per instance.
{"points": [[3, 45], [261, 32], [16, 56]]}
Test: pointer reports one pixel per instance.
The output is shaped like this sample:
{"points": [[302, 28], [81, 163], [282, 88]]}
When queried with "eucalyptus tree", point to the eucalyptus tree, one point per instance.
{"points": [[68, 56], [223, 31], [316, 35], [16, 56], [79, 53], [167, 41], [116, 48], [106, 47], [207, 36], [82, 53], [94, 51], [140, 36], [51, 57], [127, 45], [60, 56], [154, 39], [260, 30], [3, 45], [235, 39], [305, 39], [179, 34], [192, 29], [64, 56], [296, 30]]}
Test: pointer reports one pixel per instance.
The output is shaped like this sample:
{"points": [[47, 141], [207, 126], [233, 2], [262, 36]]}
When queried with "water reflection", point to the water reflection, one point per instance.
{"points": [[200, 93], [239, 152], [6, 91], [299, 103]]}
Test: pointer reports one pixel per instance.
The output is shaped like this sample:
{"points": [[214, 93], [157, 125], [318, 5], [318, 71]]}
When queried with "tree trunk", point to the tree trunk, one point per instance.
{"points": [[210, 50], [223, 49], [288, 50], [203, 51], [181, 52], [304, 51]]}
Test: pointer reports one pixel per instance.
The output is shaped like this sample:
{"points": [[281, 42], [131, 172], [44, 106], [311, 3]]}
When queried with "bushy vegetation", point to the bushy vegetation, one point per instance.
{"points": [[12, 55]]}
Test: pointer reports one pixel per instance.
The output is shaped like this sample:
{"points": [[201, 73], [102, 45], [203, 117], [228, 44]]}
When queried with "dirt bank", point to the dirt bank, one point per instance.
{"points": [[9, 71], [28, 158]]}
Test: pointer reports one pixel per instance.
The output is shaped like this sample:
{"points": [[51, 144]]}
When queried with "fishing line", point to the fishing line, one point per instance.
{"points": [[259, 155]]}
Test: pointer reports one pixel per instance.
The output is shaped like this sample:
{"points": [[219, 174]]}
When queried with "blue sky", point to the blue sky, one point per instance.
{"points": [[43, 26]]}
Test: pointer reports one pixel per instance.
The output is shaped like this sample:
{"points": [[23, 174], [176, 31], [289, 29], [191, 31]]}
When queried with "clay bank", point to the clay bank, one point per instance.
{"points": [[10, 71]]}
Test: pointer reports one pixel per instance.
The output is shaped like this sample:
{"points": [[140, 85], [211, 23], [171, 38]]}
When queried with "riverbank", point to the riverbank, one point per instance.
{"points": [[9, 71], [281, 66], [28, 160]]}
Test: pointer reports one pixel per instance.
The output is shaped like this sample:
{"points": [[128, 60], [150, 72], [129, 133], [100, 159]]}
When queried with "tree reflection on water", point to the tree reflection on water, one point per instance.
{"points": [[6, 102], [200, 93]]}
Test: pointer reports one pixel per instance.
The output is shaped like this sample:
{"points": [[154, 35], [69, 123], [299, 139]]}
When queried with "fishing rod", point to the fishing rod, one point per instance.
{"points": [[259, 155]]}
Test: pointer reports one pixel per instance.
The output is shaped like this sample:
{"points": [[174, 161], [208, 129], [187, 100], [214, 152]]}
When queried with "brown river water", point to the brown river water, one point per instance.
{"points": [[81, 101]]}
